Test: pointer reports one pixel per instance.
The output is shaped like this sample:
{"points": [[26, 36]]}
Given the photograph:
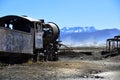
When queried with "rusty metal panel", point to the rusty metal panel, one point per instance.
{"points": [[38, 40], [15, 41]]}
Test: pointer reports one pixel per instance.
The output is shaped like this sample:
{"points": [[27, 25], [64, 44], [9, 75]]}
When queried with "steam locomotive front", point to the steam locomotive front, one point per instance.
{"points": [[51, 32], [50, 41]]}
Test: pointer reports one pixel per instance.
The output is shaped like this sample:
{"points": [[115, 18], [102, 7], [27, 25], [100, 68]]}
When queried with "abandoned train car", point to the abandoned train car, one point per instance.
{"points": [[112, 47], [22, 37]]}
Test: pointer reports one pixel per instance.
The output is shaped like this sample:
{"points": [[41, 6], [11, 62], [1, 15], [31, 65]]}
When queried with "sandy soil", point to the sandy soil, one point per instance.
{"points": [[77, 67]]}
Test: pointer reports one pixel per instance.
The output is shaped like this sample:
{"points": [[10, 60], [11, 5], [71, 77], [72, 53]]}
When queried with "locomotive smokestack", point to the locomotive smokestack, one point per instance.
{"points": [[42, 20]]}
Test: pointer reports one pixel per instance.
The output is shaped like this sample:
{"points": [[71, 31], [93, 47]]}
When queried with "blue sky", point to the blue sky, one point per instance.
{"points": [[67, 13]]}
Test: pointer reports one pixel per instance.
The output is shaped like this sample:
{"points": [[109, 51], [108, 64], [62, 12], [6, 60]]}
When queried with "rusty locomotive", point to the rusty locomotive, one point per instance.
{"points": [[22, 37]]}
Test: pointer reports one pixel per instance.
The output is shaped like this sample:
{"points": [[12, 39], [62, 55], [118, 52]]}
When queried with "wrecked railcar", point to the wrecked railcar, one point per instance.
{"points": [[22, 36], [112, 47]]}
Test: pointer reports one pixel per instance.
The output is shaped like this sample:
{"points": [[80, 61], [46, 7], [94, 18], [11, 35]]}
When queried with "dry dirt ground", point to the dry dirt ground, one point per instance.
{"points": [[69, 67]]}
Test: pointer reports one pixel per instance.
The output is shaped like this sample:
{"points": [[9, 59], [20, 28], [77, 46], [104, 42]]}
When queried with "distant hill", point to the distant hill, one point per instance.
{"points": [[86, 36]]}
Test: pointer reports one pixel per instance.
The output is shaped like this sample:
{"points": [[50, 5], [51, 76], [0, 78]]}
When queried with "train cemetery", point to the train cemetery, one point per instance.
{"points": [[38, 46]]}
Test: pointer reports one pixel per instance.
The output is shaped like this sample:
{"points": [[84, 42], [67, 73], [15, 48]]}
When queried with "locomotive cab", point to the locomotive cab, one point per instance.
{"points": [[16, 40]]}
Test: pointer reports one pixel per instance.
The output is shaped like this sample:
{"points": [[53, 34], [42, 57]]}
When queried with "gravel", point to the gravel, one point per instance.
{"points": [[67, 68]]}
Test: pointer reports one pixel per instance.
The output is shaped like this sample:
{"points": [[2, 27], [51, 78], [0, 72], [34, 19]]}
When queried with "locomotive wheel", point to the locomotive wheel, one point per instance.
{"points": [[34, 58], [50, 57], [38, 57], [55, 57]]}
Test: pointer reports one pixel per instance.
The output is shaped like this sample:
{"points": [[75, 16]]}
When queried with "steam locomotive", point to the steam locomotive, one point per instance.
{"points": [[22, 37]]}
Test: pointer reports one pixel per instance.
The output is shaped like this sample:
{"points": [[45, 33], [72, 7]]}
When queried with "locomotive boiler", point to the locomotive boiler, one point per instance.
{"points": [[22, 37]]}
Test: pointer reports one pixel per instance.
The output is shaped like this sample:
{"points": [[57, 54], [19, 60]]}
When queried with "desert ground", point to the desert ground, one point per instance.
{"points": [[75, 64]]}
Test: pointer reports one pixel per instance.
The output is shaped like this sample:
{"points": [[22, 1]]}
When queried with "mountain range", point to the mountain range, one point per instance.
{"points": [[86, 36], [78, 29]]}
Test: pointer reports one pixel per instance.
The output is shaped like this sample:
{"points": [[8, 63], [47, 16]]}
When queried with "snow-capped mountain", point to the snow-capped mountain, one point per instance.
{"points": [[86, 36], [78, 29]]}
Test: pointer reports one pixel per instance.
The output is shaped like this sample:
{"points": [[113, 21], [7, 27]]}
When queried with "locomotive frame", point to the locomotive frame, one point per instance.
{"points": [[22, 37]]}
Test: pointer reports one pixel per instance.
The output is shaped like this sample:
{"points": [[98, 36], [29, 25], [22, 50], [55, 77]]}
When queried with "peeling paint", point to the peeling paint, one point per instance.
{"points": [[15, 41]]}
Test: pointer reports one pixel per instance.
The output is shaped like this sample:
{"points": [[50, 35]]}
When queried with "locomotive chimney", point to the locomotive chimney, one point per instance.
{"points": [[42, 20]]}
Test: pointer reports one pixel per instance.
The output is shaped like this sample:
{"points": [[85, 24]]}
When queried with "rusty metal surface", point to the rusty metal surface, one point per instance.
{"points": [[55, 30], [15, 41], [38, 40]]}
